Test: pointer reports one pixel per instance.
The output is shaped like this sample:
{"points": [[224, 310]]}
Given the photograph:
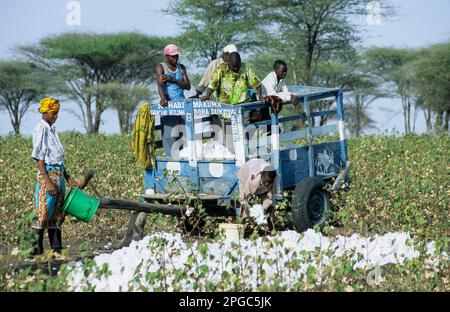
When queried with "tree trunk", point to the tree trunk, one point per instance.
{"points": [[16, 126], [427, 114], [308, 63], [358, 119], [438, 122], [90, 124], [122, 121], [416, 111], [294, 73], [446, 120], [405, 115], [408, 113], [98, 114]]}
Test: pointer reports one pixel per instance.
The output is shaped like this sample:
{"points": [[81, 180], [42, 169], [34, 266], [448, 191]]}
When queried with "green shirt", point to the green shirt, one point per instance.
{"points": [[232, 88]]}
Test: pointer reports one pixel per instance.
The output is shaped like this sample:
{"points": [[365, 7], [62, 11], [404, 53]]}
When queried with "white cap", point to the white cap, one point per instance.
{"points": [[230, 48]]}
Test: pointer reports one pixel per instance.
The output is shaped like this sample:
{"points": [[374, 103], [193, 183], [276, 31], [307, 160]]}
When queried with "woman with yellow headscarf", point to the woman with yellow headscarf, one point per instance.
{"points": [[48, 153]]}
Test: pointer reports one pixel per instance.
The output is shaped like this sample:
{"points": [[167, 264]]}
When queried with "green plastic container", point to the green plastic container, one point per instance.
{"points": [[80, 205]]}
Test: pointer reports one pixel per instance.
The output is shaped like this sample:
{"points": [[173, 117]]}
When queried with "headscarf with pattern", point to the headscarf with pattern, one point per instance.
{"points": [[49, 105]]}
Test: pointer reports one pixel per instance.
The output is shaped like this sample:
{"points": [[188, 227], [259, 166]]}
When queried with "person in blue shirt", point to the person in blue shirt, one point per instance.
{"points": [[172, 80]]}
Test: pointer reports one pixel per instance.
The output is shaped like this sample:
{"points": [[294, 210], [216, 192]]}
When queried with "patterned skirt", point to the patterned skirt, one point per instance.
{"points": [[49, 208]]}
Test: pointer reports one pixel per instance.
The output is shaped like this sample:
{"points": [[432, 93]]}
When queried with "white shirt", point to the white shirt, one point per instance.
{"points": [[271, 86], [46, 144]]}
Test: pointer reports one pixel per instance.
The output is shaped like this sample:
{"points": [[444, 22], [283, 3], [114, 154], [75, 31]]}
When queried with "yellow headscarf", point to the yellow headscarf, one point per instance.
{"points": [[49, 105]]}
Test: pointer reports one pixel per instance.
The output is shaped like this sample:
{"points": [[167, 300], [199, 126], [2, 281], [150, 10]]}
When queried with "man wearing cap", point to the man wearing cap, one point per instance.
{"points": [[48, 153], [172, 80], [206, 79]]}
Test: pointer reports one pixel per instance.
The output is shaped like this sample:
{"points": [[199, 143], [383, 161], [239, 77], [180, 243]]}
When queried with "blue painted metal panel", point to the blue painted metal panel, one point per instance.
{"points": [[308, 124], [291, 169], [162, 185], [327, 159]]}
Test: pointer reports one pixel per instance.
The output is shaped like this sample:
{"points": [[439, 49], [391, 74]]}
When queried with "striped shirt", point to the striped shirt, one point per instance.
{"points": [[46, 144]]}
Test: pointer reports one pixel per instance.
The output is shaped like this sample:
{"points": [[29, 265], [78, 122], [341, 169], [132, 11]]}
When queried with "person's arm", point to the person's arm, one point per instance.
{"points": [[203, 84], [285, 95], [260, 92], [268, 201], [160, 83], [208, 94], [213, 84], [72, 182], [185, 83], [254, 82], [49, 183]]}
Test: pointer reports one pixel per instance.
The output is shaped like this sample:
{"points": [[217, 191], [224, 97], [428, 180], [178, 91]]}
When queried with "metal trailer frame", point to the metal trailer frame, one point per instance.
{"points": [[215, 180]]}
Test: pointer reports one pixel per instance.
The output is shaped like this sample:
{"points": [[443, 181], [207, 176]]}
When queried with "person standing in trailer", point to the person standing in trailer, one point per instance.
{"points": [[207, 76], [172, 80]]}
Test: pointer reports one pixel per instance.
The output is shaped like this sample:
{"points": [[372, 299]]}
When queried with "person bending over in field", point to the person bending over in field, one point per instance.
{"points": [[257, 178]]}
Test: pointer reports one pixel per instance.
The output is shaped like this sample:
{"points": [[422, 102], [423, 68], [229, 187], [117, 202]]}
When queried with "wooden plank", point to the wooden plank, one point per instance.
{"points": [[111, 203]]}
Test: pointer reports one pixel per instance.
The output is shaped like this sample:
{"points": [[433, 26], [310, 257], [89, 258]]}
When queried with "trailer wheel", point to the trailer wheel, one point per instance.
{"points": [[310, 204]]}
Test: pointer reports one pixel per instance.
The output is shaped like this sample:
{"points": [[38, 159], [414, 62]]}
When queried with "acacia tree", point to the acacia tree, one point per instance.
{"points": [[391, 65], [83, 60], [124, 98], [364, 92], [209, 25], [430, 76], [310, 31], [21, 84]]}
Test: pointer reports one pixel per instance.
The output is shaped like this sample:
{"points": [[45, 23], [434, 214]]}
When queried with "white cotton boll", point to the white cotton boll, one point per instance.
{"points": [[257, 212]]}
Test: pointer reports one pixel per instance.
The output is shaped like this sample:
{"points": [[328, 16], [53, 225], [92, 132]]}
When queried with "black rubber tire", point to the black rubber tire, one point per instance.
{"points": [[307, 201]]}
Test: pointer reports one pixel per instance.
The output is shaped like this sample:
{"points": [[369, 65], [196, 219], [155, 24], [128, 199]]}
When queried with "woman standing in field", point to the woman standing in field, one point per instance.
{"points": [[48, 153]]}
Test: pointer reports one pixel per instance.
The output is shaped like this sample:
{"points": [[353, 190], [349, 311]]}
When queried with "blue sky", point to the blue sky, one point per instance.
{"points": [[417, 23]]}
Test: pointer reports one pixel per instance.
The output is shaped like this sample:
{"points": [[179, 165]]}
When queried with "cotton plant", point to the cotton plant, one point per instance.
{"points": [[287, 261]]}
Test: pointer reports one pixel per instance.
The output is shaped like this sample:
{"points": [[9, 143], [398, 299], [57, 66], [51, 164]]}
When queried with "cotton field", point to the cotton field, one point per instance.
{"points": [[163, 261]]}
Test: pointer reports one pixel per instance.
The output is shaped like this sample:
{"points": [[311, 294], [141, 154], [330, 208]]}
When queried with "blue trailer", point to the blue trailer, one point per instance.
{"points": [[307, 168]]}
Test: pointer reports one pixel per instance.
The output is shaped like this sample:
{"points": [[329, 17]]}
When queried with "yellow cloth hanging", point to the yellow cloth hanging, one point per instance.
{"points": [[143, 141]]}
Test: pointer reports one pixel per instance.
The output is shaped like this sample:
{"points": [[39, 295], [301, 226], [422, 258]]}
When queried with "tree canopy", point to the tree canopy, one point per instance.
{"points": [[83, 60], [21, 84], [209, 25]]}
